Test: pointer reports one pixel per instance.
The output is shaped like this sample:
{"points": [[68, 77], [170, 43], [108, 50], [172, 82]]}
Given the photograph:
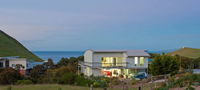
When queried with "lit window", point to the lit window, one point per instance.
{"points": [[142, 61], [136, 61]]}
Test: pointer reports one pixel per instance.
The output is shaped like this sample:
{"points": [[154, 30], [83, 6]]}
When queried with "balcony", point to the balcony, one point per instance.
{"points": [[104, 65]]}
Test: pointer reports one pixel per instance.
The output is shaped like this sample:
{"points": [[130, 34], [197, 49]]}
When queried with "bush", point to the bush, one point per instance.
{"points": [[133, 81], [67, 78], [190, 88], [186, 80], [100, 83], [9, 76], [82, 81], [24, 82], [115, 81]]}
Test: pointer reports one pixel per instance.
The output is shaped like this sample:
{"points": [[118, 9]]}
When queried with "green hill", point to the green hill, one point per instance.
{"points": [[187, 52], [11, 47]]}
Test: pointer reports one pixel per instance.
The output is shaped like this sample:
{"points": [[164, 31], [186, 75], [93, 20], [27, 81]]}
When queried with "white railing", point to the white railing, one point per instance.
{"points": [[104, 65]]}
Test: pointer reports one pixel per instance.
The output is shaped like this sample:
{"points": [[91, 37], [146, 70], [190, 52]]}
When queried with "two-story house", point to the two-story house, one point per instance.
{"points": [[113, 63]]}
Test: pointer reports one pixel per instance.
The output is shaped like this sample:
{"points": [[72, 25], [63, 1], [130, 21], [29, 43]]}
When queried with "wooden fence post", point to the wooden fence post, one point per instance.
{"points": [[91, 87]]}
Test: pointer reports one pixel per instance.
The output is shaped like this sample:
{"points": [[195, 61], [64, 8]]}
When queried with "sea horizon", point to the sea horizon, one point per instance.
{"points": [[57, 55]]}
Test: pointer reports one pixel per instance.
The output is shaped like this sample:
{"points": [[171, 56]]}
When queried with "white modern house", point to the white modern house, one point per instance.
{"points": [[113, 63], [13, 61]]}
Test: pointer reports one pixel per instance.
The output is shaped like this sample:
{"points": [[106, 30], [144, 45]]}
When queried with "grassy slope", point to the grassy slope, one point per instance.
{"points": [[187, 52], [11, 47]]}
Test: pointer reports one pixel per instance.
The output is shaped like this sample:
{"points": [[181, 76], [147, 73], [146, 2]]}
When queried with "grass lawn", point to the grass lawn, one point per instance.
{"points": [[45, 87], [54, 87]]}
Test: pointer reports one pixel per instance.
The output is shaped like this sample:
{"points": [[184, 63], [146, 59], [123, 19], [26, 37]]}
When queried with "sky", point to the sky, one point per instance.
{"points": [[73, 25]]}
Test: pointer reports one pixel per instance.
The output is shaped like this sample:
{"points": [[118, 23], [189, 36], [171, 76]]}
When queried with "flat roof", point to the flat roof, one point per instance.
{"points": [[128, 52]]}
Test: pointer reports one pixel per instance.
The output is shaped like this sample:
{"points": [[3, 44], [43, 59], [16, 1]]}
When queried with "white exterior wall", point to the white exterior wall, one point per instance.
{"points": [[88, 56], [97, 72], [21, 61], [88, 71]]}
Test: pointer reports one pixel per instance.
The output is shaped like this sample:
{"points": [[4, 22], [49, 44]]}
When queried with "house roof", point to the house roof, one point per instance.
{"points": [[10, 57], [128, 52], [137, 53]]}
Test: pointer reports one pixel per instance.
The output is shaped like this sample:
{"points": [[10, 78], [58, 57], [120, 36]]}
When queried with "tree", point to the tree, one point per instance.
{"points": [[164, 64], [196, 63], [36, 72], [70, 62], [80, 58], [63, 62], [49, 64], [58, 75], [185, 62]]}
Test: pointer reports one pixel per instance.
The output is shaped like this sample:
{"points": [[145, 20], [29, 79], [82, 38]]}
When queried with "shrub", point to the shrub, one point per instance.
{"points": [[24, 82], [9, 76], [67, 78], [101, 84], [190, 88], [186, 80], [133, 81], [82, 81], [163, 84], [115, 81]]}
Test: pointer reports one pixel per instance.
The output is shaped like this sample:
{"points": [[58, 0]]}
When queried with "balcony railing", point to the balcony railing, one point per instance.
{"points": [[104, 65], [112, 65]]}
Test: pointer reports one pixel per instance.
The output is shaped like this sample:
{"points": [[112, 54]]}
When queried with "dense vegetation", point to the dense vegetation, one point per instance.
{"points": [[187, 80], [163, 64], [11, 47], [64, 72]]}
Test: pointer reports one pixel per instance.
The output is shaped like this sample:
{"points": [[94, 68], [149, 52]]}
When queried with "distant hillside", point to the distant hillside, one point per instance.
{"points": [[11, 47], [162, 51], [187, 52]]}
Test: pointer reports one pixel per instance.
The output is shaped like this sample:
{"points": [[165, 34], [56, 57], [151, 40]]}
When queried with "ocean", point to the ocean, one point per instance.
{"points": [[57, 55]]}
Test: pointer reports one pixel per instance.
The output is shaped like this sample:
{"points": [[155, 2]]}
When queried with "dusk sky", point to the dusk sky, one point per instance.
{"points": [[71, 25]]}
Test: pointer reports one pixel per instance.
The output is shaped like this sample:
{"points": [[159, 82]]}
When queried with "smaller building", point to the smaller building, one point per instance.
{"points": [[23, 64]]}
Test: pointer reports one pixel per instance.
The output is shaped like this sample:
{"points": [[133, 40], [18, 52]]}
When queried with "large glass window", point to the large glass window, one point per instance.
{"points": [[106, 61], [136, 61], [111, 61], [119, 61], [1, 64], [7, 63], [142, 61]]}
